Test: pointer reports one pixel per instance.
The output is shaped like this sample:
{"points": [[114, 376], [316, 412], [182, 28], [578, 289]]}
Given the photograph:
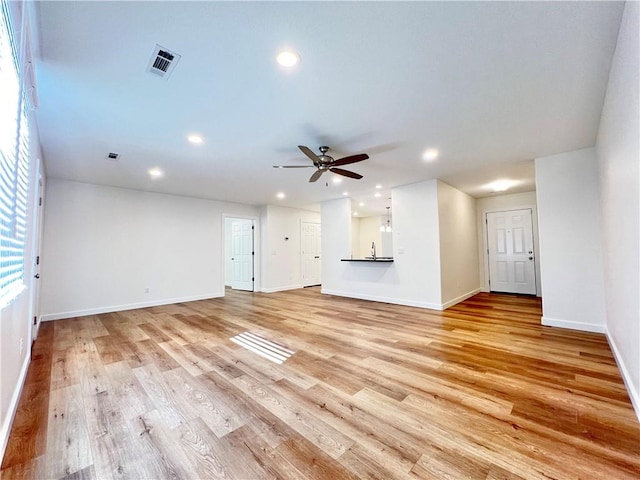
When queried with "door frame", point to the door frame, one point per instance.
{"points": [[256, 248], [485, 244]]}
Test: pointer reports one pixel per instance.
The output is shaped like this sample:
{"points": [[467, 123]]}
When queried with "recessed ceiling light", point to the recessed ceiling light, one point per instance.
{"points": [[345, 193], [501, 185], [378, 186], [280, 195], [193, 138], [355, 214], [361, 204], [155, 173], [336, 179], [430, 154], [378, 195], [288, 58]]}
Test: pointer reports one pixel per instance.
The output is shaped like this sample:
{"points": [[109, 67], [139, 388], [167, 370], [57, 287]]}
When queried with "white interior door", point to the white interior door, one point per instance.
{"points": [[511, 252], [35, 258], [311, 241], [242, 254]]}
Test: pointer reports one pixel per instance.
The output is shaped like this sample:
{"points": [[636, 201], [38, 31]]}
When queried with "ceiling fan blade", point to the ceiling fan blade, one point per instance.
{"points": [[307, 151], [350, 159], [316, 175], [293, 166], [346, 173]]}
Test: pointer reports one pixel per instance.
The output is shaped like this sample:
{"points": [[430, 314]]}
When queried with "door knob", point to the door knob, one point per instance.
{"points": [[530, 258], [37, 275], [530, 252]]}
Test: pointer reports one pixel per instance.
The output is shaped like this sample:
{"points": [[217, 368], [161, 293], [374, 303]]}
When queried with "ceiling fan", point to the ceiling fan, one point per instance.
{"points": [[324, 163]]}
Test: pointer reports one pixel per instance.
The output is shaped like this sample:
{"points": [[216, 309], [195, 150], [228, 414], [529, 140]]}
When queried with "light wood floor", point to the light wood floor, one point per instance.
{"points": [[479, 391]]}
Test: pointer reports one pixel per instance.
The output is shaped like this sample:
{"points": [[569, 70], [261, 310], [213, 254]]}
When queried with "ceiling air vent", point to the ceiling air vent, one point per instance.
{"points": [[112, 156], [162, 62]]}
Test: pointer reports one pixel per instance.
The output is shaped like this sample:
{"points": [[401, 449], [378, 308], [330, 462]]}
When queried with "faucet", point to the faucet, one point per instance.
{"points": [[373, 250]]}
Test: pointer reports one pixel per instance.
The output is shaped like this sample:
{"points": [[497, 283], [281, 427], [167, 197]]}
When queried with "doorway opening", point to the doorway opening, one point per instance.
{"points": [[511, 252], [239, 258]]}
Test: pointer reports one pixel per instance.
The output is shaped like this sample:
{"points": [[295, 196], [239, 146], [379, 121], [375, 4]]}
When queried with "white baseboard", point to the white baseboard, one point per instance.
{"points": [[13, 406], [280, 289], [461, 298], [634, 395], [375, 298], [585, 327], [132, 306]]}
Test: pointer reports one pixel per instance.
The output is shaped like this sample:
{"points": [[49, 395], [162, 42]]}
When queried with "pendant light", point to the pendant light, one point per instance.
{"points": [[386, 227]]}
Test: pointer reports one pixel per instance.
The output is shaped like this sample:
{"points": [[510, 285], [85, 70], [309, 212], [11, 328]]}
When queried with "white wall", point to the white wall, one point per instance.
{"points": [[369, 233], [570, 241], [458, 245], [497, 203], [282, 258], [103, 246], [414, 276], [618, 149], [355, 237]]}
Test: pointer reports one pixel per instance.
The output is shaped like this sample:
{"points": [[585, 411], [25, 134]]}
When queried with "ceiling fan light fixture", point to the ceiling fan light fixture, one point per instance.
{"points": [[288, 58], [195, 138], [280, 195]]}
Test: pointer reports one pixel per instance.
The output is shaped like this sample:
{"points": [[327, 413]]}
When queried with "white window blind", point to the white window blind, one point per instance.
{"points": [[14, 165]]}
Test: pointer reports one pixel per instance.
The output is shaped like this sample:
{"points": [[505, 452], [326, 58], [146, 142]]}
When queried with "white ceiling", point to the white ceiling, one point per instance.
{"points": [[490, 85]]}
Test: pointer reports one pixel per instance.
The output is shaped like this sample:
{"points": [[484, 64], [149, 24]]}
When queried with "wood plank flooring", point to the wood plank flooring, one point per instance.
{"points": [[480, 391]]}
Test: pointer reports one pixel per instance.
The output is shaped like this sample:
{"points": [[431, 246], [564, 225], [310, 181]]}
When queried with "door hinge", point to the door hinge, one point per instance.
{"points": [[38, 260], [253, 253], [35, 320], [252, 227], [40, 202], [253, 279]]}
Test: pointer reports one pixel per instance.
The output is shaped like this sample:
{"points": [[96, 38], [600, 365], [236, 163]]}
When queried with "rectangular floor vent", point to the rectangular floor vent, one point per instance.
{"points": [[162, 62], [261, 346]]}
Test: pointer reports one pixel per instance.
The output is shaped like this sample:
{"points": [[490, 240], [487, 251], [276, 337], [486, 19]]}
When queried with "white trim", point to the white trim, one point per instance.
{"points": [[459, 299], [281, 289], [13, 406], [395, 301], [585, 327], [131, 306], [634, 396]]}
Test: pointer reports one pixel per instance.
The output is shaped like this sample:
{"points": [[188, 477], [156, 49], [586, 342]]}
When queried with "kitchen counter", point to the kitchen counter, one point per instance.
{"points": [[369, 260]]}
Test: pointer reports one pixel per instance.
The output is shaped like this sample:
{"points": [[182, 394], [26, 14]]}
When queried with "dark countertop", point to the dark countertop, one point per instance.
{"points": [[369, 260]]}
